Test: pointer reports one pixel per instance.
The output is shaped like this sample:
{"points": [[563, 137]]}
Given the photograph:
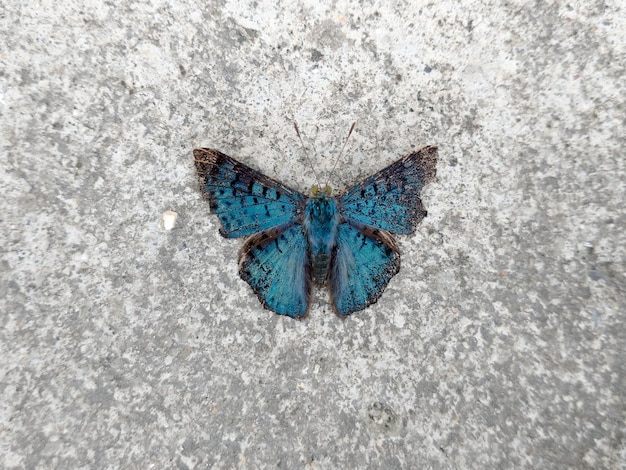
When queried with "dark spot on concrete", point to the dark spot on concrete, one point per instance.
{"points": [[316, 55]]}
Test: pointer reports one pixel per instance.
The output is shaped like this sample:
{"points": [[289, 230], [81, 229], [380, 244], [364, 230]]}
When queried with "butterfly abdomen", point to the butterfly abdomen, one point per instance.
{"points": [[321, 262], [320, 221]]}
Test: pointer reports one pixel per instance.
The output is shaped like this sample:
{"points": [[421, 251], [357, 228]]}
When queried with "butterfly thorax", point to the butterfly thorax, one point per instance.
{"points": [[320, 222]]}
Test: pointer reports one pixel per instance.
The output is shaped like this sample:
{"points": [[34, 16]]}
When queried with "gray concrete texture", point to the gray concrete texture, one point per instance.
{"points": [[501, 342]]}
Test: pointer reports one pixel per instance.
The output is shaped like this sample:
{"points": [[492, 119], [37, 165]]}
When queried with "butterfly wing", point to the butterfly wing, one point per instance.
{"points": [[363, 263], [366, 256], [390, 199], [274, 260], [245, 201], [276, 265]]}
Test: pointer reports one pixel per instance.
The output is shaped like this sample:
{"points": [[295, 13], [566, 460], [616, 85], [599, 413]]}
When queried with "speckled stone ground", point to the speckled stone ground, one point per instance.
{"points": [[499, 345]]}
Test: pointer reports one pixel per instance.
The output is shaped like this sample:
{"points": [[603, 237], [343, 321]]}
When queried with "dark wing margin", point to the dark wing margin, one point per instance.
{"points": [[277, 267], [245, 200], [390, 199], [363, 263]]}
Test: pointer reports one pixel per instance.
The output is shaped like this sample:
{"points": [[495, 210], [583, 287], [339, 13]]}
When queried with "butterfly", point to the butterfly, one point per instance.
{"points": [[294, 242]]}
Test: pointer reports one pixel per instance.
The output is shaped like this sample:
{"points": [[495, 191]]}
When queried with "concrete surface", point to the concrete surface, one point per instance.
{"points": [[499, 345]]}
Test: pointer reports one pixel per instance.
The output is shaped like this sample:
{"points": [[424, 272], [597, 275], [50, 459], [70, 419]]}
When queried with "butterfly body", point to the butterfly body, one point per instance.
{"points": [[320, 223], [344, 243]]}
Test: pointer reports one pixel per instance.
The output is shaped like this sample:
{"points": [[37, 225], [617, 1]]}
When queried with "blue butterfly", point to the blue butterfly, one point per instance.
{"points": [[343, 242]]}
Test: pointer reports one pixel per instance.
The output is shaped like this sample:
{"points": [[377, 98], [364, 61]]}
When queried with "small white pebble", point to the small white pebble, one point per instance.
{"points": [[169, 219]]}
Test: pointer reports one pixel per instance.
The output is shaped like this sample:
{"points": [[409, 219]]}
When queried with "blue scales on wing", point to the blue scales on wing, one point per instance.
{"points": [[366, 256], [390, 199], [364, 261], [274, 259], [276, 265], [245, 200]]}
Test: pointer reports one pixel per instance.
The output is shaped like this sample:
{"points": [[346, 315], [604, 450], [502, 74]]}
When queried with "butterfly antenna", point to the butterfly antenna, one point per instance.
{"points": [[306, 152], [340, 153]]}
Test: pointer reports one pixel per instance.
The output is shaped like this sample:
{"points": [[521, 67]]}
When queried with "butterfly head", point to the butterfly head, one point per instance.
{"points": [[321, 190]]}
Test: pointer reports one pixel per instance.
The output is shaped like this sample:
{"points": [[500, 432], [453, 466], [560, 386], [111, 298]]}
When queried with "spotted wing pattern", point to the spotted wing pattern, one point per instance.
{"points": [[276, 266], [363, 263], [245, 200], [390, 199]]}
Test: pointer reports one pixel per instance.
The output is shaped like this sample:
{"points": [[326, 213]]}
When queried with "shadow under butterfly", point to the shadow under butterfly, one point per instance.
{"points": [[344, 243]]}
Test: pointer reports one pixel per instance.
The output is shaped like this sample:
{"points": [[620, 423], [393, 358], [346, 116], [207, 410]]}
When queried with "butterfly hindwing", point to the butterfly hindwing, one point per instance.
{"points": [[275, 263], [389, 200], [364, 260], [245, 200]]}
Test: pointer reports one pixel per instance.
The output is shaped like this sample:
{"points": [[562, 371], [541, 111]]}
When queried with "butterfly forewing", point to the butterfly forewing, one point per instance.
{"points": [[389, 200], [245, 200]]}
